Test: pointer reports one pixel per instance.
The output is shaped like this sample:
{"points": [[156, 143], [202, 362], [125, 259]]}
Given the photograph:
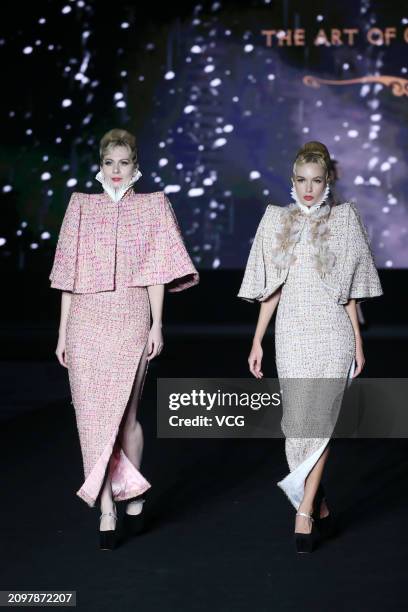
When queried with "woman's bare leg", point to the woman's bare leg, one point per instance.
{"points": [[303, 524], [132, 444], [132, 433], [106, 501]]}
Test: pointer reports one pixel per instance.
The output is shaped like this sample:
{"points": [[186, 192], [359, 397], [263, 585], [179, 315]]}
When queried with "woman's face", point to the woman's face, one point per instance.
{"points": [[310, 182], [117, 166]]}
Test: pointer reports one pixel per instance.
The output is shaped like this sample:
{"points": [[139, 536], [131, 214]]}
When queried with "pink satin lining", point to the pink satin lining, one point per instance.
{"points": [[126, 480]]}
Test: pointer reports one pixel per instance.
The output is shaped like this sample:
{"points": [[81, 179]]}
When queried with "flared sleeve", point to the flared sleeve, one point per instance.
{"points": [[262, 277], [360, 280], [168, 262], [62, 275]]}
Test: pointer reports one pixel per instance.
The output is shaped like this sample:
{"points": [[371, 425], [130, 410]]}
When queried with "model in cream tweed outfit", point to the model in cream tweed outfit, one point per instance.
{"points": [[318, 258]]}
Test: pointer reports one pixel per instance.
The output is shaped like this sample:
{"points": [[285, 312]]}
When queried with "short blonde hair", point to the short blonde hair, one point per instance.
{"points": [[316, 153], [117, 138]]}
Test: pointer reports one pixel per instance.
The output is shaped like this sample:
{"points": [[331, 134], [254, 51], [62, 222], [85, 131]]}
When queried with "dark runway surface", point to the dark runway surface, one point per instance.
{"points": [[220, 530]]}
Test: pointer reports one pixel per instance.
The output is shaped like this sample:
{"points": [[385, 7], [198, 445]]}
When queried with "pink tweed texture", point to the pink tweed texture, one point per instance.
{"points": [[107, 255]]}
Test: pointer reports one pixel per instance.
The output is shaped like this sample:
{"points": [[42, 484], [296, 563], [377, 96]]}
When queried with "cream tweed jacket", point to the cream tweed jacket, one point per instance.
{"points": [[346, 264]]}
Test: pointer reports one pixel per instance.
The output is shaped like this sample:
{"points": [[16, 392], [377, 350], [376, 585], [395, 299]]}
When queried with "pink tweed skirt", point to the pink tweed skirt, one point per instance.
{"points": [[105, 339]]}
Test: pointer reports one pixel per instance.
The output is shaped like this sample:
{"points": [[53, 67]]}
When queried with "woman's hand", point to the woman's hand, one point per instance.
{"points": [[60, 351], [255, 360], [154, 342], [360, 359]]}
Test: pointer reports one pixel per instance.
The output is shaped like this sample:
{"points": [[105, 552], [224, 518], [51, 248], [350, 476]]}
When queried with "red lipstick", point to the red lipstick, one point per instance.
{"points": [[308, 198]]}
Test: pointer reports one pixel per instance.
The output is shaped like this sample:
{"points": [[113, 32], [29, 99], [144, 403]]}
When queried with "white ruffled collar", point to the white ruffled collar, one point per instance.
{"points": [[117, 194], [288, 234], [308, 210]]}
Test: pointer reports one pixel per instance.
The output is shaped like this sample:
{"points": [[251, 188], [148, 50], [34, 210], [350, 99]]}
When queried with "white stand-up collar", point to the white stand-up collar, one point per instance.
{"points": [[308, 210], [113, 193]]}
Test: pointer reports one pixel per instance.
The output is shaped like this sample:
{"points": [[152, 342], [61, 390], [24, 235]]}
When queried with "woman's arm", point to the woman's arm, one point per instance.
{"points": [[65, 306], [351, 309], [155, 341], [265, 315]]}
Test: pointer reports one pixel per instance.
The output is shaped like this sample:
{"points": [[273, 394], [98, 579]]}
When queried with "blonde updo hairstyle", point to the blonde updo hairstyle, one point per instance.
{"points": [[316, 153], [118, 138]]}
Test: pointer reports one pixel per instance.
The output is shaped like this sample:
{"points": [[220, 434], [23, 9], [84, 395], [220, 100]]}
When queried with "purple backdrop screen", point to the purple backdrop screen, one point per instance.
{"points": [[220, 96]]}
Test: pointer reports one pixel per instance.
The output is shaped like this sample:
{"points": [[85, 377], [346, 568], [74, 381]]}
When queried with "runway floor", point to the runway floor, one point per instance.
{"points": [[220, 531]]}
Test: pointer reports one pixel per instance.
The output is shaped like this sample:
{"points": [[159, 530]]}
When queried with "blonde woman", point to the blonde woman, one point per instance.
{"points": [[310, 261], [116, 252]]}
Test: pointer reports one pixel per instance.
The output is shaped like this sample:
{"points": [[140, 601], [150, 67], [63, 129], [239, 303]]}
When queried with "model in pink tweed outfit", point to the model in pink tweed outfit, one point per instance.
{"points": [[116, 251]]}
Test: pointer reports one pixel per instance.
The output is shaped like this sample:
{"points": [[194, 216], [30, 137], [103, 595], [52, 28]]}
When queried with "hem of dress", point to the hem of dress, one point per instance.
{"points": [[133, 493], [119, 496], [291, 484]]}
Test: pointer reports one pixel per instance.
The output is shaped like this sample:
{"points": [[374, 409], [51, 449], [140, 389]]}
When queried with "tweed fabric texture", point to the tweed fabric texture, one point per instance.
{"points": [[314, 337], [107, 330], [353, 275], [85, 257]]}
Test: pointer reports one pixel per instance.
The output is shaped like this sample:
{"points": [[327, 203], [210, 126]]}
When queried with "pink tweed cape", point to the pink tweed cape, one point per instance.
{"points": [[107, 255]]}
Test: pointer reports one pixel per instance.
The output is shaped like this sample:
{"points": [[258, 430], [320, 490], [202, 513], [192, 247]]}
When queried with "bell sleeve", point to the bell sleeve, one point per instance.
{"points": [[261, 277], [63, 271], [361, 277], [171, 264]]}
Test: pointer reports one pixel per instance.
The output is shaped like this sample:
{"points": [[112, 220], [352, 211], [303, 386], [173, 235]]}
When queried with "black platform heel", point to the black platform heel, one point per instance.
{"points": [[326, 525], [108, 538], [305, 542], [135, 524]]}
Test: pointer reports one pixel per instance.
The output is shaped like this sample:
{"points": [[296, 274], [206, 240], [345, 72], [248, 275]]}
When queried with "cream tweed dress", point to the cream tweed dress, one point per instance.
{"points": [[108, 253], [321, 258]]}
